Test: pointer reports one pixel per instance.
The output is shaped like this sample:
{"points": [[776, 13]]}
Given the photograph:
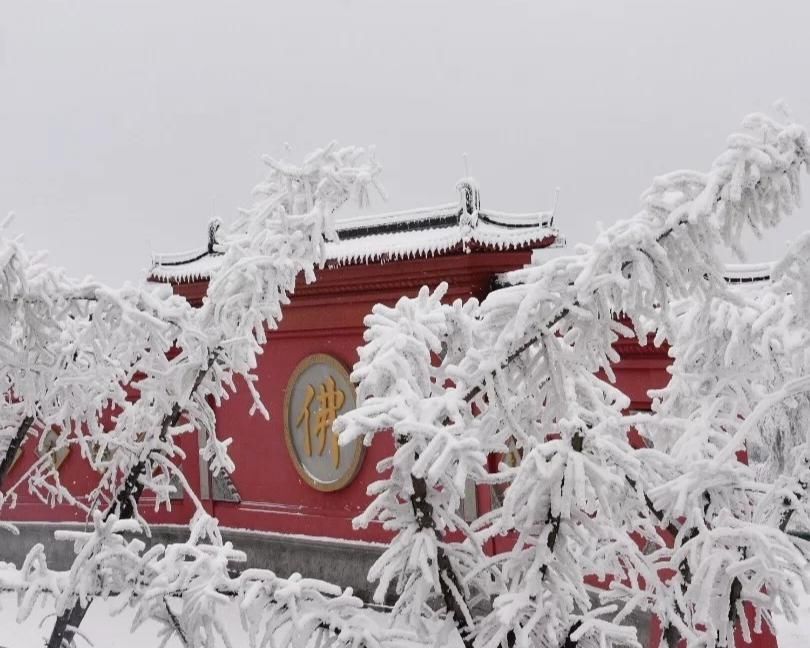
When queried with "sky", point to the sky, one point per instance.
{"points": [[126, 125]]}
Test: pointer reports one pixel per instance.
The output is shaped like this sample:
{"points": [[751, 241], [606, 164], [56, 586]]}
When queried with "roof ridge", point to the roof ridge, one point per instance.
{"points": [[420, 232], [424, 212], [179, 258]]}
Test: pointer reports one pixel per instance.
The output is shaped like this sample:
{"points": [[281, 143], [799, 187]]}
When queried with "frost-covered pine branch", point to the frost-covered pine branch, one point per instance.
{"points": [[740, 385], [403, 373], [186, 586], [151, 364], [529, 370]]}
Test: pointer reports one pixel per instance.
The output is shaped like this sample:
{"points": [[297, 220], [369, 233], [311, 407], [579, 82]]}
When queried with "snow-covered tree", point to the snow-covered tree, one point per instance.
{"points": [[122, 374], [681, 528]]}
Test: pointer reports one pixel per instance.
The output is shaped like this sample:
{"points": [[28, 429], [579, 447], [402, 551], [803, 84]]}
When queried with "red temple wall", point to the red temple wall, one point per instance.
{"points": [[327, 317]]}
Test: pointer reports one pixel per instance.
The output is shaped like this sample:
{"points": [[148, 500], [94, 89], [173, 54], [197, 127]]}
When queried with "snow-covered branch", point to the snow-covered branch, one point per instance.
{"points": [[525, 376], [122, 374]]}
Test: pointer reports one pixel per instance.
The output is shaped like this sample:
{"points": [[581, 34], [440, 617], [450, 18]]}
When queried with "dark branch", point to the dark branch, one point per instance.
{"points": [[175, 622], [14, 446], [448, 579], [125, 503]]}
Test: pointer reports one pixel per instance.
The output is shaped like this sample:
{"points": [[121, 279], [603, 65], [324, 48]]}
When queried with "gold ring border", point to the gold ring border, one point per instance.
{"points": [[360, 450]]}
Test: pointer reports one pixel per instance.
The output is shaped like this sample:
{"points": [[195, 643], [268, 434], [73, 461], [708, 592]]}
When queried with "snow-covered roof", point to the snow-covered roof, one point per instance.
{"points": [[748, 272], [735, 274], [418, 233]]}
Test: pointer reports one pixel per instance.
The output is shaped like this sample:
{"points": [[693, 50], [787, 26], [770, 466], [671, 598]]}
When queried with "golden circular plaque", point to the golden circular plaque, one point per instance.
{"points": [[319, 391]]}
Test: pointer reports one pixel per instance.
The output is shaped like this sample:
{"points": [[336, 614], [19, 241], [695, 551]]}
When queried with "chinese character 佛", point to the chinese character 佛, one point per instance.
{"points": [[330, 401]]}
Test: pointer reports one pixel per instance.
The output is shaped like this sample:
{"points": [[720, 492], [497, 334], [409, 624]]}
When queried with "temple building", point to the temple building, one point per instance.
{"points": [[291, 500], [291, 475]]}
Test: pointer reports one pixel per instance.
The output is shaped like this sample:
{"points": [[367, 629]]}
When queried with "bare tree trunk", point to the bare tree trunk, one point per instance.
{"points": [[66, 625], [736, 584], [569, 642], [448, 579], [125, 503], [14, 446]]}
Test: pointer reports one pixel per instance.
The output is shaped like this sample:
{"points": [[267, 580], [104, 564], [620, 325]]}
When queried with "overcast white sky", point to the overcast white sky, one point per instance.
{"points": [[125, 125]]}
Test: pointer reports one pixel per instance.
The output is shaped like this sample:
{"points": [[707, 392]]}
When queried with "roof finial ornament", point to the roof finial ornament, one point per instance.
{"points": [[554, 206], [213, 228], [470, 195], [470, 204]]}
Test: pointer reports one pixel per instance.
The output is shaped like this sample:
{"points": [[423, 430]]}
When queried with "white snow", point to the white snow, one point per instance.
{"points": [[104, 629], [107, 631], [99, 628], [797, 635]]}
